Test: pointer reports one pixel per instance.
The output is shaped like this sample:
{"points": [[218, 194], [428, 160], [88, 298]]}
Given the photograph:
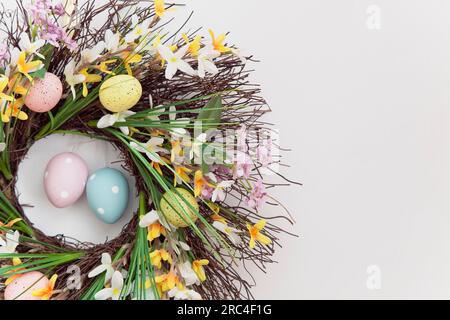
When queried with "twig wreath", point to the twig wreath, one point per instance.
{"points": [[187, 121]]}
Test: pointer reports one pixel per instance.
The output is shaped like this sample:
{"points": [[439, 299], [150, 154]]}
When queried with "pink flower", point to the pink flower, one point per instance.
{"points": [[264, 153], [257, 196], [241, 136], [207, 192], [59, 9], [42, 12], [243, 165]]}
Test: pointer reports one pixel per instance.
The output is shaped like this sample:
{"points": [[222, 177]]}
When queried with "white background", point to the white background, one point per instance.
{"points": [[365, 112]]}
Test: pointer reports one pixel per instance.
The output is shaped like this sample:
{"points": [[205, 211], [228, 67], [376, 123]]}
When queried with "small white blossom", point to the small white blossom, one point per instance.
{"points": [[219, 192], [184, 294], [29, 47], [151, 148], [175, 61], [110, 119], [112, 293], [106, 267], [73, 79], [206, 63], [10, 243]]}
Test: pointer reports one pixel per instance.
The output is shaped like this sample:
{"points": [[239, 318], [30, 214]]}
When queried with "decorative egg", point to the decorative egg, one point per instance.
{"points": [[176, 211], [107, 194], [120, 93], [44, 94], [65, 178], [22, 287]]}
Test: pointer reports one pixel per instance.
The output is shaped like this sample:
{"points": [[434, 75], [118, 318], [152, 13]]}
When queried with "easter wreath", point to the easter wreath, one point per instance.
{"points": [[77, 67]]}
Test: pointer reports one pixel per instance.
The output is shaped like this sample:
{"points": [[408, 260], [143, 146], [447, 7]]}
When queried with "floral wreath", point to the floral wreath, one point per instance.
{"points": [[144, 90]]}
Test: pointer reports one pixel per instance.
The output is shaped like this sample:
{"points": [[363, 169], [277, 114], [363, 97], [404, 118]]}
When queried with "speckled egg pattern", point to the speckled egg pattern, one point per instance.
{"points": [[22, 287], [120, 93], [107, 193], [44, 94], [174, 207], [65, 178]]}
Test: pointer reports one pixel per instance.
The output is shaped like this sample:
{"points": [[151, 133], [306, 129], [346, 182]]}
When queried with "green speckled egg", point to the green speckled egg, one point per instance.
{"points": [[120, 93], [173, 206], [107, 193]]}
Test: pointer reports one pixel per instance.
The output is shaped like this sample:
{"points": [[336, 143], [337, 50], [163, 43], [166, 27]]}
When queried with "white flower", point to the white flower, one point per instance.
{"points": [[184, 294], [112, 42], [106, 266], [151, 148], [69, 6], [178, 131], [92, 54], [175, 61], [219, 192], [205, 62], [138, 31], [230, 232], [15, 53], [238, 53], [112, 293], [2, 146], [29, 47], [110, 119], [188, 274], [150, 218], [73, 79], [10, 243], [197, 146]]}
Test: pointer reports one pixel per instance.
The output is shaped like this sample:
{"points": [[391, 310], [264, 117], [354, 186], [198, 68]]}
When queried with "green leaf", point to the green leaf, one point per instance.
{"points": [[209, 117], [211, 114], [40, 74]]}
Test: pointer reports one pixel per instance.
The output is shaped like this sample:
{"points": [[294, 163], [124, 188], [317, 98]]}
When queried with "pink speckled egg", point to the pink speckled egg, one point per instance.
{"points": [[22, 288], [44, 94], [65, 178]]}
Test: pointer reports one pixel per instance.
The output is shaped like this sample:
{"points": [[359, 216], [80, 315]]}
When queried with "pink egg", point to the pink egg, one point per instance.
{"points": [[44, 94], [65, 178], [22, 288]]}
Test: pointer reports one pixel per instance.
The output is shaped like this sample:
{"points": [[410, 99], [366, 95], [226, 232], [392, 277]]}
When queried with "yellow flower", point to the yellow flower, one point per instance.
{"points": [[89, 78], [13, 109], [216, 217], [155, 230], [4, 81], [158, 256], [194, 46], [16, 86], [16, 262], [10, 224], [157, 167], [168, 281], [103, 66], [160, 8], [197, 266], [218, 43], [130, 58], [255, 234], [25, 67], [46, 293], [149, 284], [199, 183], [181, 174]]}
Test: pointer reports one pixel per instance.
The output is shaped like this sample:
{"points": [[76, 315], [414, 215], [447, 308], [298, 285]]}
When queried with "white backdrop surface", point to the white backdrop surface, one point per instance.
{"points": [[366, 114]]}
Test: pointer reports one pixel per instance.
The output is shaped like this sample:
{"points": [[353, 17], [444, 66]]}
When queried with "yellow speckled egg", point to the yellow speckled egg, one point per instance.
{"points": [[120, 93], [176, 211]]}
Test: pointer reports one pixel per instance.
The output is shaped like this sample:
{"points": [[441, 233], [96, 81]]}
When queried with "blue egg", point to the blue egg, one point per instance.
{"points": [[107, 194]]}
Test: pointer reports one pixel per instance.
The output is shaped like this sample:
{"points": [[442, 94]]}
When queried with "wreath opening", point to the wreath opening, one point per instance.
{"points": [[195, 142], [74, 221]]}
